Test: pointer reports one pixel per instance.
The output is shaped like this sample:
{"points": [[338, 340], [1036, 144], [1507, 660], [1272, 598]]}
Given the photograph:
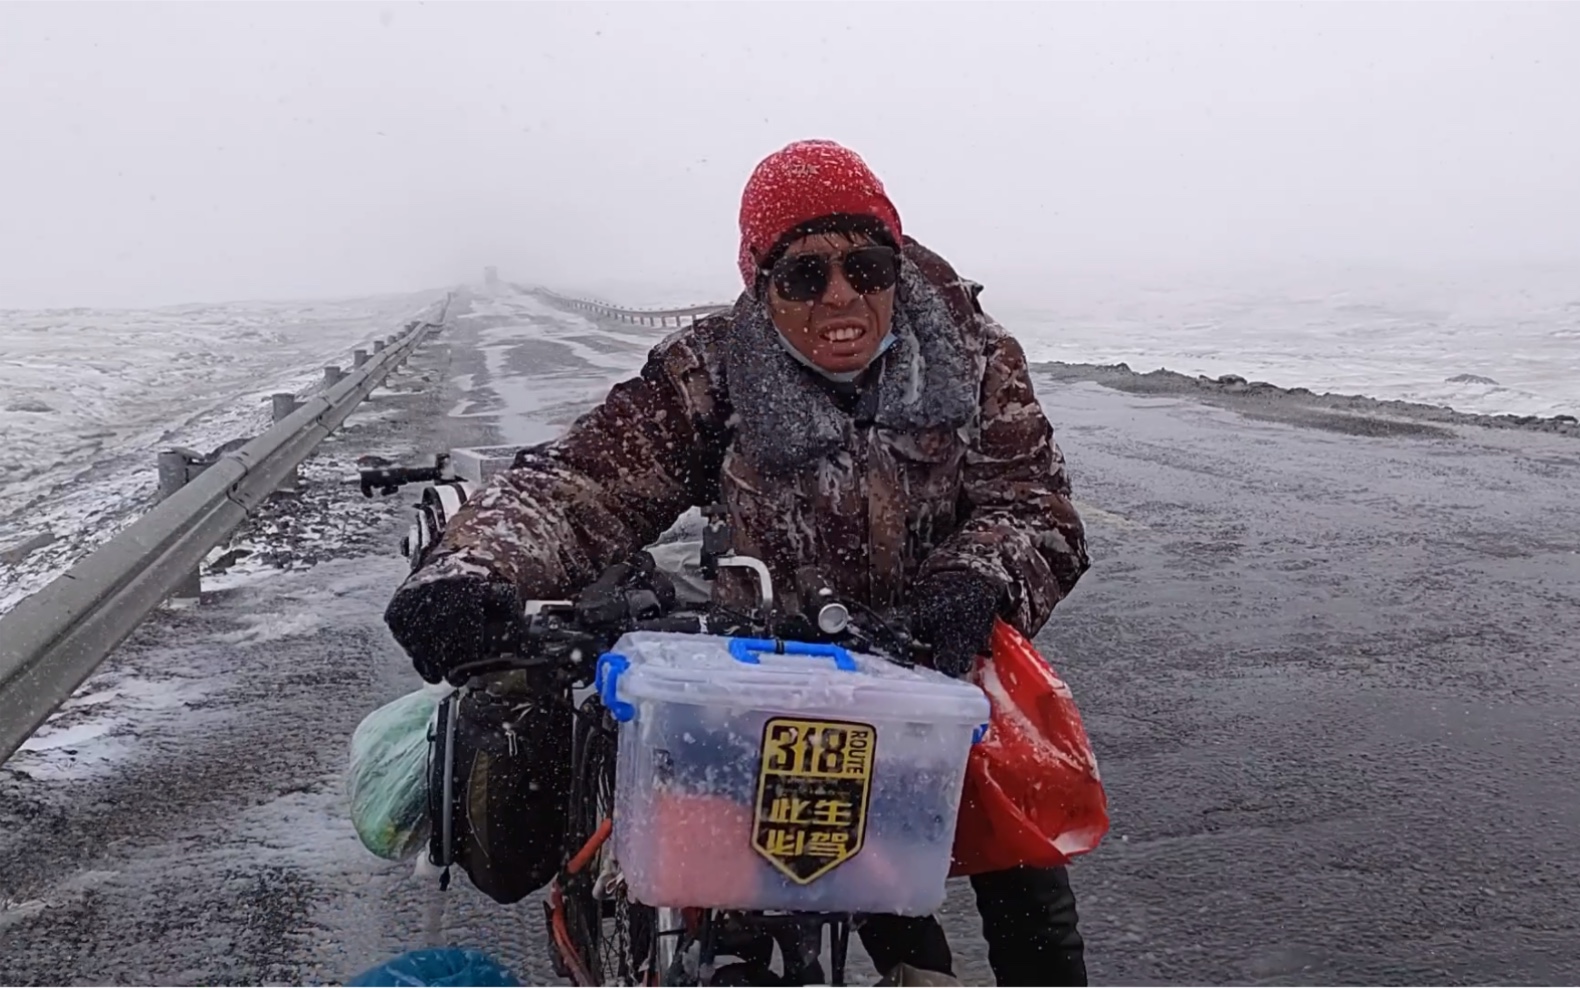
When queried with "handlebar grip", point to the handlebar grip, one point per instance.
{"points": [[746, 650]]}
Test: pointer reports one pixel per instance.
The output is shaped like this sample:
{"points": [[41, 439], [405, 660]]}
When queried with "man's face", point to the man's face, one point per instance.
{"points": [[840, 330]]}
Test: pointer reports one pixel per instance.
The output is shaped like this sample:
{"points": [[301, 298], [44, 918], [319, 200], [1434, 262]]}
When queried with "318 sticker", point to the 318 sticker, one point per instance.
{"points": [[812, 793]]}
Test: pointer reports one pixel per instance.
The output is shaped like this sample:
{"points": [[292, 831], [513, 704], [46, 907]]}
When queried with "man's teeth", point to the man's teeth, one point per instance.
{"points": [[844, 335]]}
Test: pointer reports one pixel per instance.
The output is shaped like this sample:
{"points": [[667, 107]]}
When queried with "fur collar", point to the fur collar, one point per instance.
{"points": [[786, 417]]}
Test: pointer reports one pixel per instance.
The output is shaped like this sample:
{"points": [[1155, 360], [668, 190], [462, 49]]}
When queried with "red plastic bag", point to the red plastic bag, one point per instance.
{"points": [[1032, 792]]}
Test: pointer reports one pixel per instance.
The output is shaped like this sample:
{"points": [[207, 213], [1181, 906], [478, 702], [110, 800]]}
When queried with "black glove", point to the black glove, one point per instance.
{"points": [[953, 612], [445, 623]]}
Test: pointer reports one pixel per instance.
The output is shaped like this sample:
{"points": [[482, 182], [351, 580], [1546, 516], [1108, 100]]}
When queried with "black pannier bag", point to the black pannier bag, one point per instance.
{"points": [[499, 778]]}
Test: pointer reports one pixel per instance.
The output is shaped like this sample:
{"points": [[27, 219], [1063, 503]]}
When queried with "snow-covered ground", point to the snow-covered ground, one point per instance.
{"points": [[1386, 336], [336, 547], [76, 383], [88, 397]]}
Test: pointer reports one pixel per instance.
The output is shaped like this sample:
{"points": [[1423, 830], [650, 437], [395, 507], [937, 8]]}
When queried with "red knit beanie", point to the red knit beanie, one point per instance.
{"points": [[806, 181]]}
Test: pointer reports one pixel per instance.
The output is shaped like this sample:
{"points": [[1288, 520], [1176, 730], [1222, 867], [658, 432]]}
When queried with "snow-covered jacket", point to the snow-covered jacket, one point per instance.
{"points": [[944, 461]]}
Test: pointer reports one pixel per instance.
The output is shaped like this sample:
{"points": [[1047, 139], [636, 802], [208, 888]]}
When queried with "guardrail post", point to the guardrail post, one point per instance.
{"points": [[358, 358], [332, 376], [378, 345], [284, 404], [174, 472]]}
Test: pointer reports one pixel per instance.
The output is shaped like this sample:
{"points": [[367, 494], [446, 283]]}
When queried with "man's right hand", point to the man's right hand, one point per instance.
{"points": [[453, 620]]}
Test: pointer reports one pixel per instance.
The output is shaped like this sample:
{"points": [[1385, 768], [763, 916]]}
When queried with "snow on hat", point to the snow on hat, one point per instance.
{"points": [[807, 181]]}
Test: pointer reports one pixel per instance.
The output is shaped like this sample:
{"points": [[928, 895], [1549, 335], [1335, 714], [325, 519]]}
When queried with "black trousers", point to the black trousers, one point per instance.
{"points": [[1028, 921]]}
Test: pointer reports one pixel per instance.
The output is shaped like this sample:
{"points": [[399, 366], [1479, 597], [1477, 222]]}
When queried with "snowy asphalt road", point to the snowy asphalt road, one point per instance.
{"points": [[1331, 680]]}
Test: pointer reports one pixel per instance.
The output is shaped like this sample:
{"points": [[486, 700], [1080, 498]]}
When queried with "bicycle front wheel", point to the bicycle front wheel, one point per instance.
{"points": [[611, 936]]}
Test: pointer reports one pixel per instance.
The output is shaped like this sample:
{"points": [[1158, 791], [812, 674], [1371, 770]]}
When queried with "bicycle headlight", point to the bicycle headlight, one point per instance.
{"points": [[833, 618]]}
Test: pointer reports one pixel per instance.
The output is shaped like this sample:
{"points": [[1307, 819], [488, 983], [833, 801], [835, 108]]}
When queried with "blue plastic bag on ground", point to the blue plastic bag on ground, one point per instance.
{"points": [[436, 966], [387, 778]]}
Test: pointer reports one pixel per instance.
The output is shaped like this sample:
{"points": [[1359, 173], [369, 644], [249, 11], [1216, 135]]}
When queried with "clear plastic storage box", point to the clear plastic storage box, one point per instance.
{"points": [[818, 780]]}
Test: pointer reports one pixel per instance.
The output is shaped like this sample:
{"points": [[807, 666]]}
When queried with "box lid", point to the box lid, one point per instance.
{"points": [[754, 674]]}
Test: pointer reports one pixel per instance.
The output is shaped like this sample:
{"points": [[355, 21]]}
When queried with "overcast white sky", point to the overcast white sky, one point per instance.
{"points": [[219, 151]]}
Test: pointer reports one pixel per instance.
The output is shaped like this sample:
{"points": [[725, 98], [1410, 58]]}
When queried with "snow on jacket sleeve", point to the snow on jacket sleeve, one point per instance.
{"points": [[1020, 529], [622, 474]]}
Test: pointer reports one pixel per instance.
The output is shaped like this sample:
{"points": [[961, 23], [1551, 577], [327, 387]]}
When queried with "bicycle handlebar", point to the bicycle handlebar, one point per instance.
{"points": [[564, 639]]}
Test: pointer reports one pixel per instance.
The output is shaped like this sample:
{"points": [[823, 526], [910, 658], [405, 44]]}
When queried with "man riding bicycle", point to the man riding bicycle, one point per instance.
{"points": [[867, 427]]}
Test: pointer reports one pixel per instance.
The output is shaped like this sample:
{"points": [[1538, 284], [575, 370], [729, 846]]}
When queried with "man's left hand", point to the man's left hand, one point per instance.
{"points": [[954, 611]]}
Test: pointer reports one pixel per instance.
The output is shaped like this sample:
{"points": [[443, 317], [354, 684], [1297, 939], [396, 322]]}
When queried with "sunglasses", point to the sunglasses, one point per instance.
{"points": [[804, 277]]}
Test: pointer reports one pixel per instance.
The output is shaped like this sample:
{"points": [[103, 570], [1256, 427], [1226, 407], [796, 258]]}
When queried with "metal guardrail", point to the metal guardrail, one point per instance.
{"points": [[640, 317], [54, 640]]}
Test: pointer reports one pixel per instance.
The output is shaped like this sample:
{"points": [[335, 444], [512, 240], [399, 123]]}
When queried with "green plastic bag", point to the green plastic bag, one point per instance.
{"points": [[388, 776]]}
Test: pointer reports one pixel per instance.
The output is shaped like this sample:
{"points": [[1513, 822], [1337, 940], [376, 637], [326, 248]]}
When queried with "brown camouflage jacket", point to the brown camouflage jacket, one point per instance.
{"points": [[944, 461]]}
